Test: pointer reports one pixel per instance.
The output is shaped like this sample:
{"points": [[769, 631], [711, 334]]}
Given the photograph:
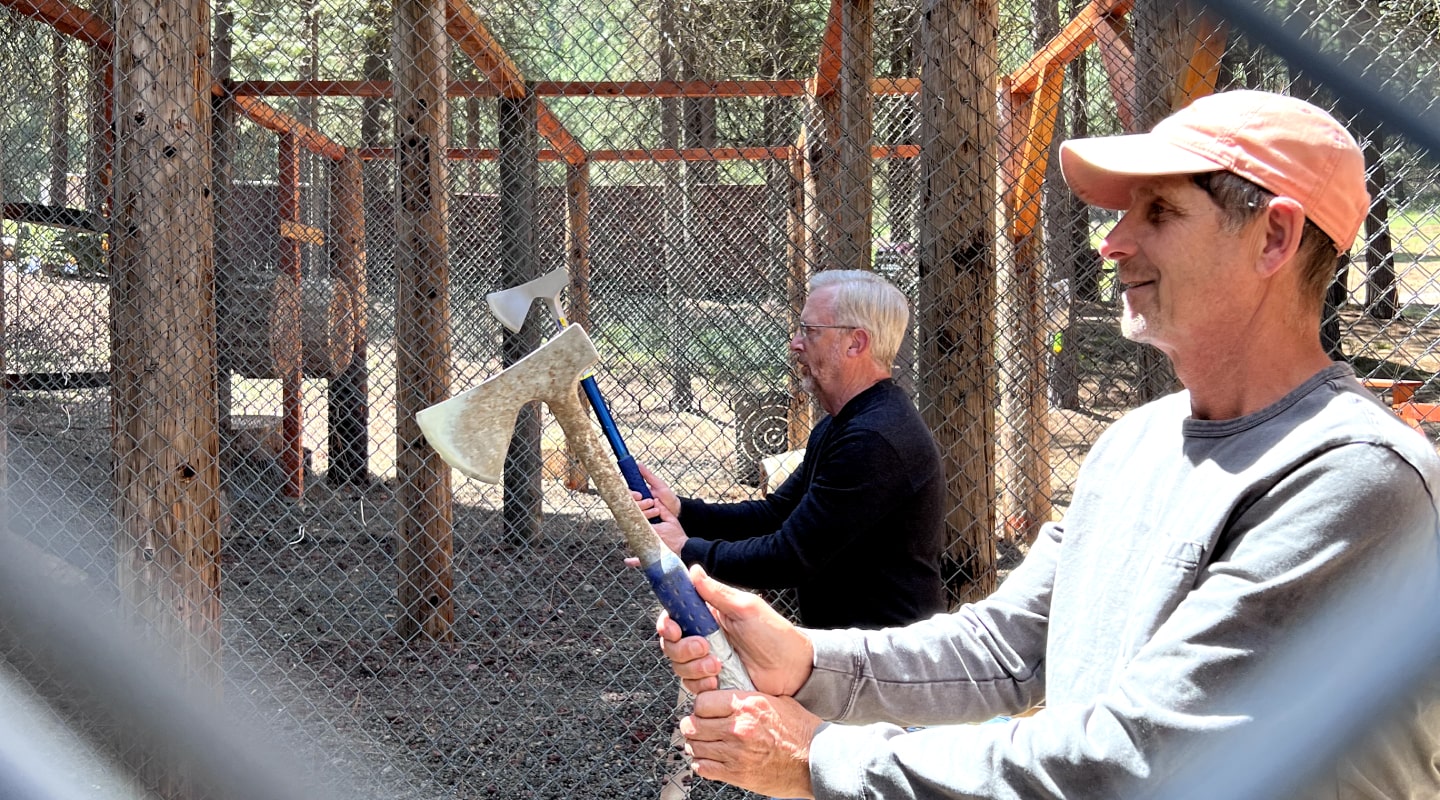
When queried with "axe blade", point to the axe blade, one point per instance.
{"points": [[511, 306], [471, 431]]}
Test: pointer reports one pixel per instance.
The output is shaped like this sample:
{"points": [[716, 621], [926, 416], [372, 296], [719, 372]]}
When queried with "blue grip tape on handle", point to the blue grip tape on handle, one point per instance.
{"points": [[677, 594]]}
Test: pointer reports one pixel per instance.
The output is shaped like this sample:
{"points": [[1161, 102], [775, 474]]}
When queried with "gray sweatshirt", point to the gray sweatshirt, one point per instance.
{"points": [[1191, 549]]}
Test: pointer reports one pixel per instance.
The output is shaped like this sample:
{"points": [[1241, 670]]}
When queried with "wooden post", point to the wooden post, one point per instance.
{"points": [[577, 262], [223, 149], [101, 133], [162, 310], [957, 277], [855, 212], [519, 176], [349, 392], [799, 418], [59, 122], [287, 283], [1025, 440], [424, 503], [1159, 66]]}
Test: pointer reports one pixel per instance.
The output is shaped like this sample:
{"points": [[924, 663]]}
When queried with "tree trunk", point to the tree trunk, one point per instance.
{"points": [[1160, 29], [349, 392], [1075, 266], [162, 307], [424, 504], [59, 122], [223, 152], [957, 277], [839, 201], [519, 175], [676, 131], [1381, 297]]}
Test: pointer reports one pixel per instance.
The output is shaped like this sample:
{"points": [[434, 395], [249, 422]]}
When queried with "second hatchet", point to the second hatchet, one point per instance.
{"points": [[511, 306]]}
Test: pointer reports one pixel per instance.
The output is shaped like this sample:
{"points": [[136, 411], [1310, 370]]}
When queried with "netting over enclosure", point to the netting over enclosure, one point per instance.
{"points": [[243, 244]]}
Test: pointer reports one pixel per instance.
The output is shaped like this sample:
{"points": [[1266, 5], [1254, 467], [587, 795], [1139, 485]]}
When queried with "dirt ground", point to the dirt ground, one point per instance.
{"points": [[552, 686]]}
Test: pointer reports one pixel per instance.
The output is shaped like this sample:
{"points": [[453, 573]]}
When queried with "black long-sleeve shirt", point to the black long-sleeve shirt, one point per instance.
{"points": [[857, 529]]}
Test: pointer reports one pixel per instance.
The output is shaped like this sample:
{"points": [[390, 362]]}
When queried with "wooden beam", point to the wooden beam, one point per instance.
{"points": [[1028, 179], [1079, 34], [1117, 53], [68, 18], [77, 219], [475, 40], [293, 231], [465, 28], [1203, 74], [827, 71], [659, 155], [626, 89], [266, 116]]}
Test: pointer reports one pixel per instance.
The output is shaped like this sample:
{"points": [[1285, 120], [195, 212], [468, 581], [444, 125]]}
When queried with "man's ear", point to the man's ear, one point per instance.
{"points": [[1284, 224], [859, 342]]}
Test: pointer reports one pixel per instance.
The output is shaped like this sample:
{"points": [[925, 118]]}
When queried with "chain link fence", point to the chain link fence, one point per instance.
{"points": [[244, 244]]}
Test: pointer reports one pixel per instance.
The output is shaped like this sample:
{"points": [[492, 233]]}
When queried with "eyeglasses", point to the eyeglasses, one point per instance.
{"points": [[807, 328]]}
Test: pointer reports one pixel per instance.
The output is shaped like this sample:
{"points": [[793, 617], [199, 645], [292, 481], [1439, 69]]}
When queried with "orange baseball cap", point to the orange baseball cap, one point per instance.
{"points": [[1285, 145]]}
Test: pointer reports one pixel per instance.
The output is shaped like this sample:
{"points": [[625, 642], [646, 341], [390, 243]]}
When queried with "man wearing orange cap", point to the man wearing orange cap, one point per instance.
{"points": [[1207, 527]]}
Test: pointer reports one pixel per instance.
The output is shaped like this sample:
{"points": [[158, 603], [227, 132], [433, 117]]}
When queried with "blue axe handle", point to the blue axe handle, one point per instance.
{"points": [[612, 435]]}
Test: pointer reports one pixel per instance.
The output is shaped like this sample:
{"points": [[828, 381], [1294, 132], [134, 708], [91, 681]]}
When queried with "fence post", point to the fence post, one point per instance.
{"points": [[349, 413], [424, 504], [958, 143]]}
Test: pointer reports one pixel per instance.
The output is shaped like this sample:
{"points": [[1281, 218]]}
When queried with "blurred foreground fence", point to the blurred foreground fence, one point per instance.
{"points": [[244, 243]]}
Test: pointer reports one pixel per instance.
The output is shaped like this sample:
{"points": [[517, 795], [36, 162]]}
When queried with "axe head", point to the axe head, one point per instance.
{"points": [[511, 306], [471, 430]]}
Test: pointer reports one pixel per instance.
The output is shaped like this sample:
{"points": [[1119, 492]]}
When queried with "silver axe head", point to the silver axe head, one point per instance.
{"points": [[472, 430], [511, 306]]}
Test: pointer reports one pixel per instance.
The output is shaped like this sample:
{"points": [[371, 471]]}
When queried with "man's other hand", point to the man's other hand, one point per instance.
{"points": [[777, 655], [753, 741]]}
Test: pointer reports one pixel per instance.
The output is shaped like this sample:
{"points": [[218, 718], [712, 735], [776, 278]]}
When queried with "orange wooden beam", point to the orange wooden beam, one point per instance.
{"points": [[1203, 74], [666, 154], [627, 89], [475, 40], [827, 72], [273, 119], [67, 18], [293, 231], [465, 27], [1079, 34], [1026, 174]]}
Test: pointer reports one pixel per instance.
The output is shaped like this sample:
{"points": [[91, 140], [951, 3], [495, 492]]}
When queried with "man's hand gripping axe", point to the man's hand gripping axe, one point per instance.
{"points": [[511, 306], [471, 431]]}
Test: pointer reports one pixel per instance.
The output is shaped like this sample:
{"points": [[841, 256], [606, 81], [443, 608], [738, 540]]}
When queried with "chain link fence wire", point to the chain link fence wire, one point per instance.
{"points": [[244, 243]]}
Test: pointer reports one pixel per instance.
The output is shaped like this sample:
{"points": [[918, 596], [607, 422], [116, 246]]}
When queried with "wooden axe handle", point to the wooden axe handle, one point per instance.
{"points": [[667, 575]]}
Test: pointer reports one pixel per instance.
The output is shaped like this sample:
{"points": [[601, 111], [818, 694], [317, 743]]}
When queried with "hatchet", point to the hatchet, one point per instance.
{"points": [[471, 431], [511, 306]]}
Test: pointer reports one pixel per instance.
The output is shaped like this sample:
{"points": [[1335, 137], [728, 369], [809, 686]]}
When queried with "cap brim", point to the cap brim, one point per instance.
{"points": [[1103, 170]]}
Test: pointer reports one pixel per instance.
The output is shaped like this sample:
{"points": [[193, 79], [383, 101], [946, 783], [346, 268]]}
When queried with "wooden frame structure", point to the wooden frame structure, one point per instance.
{"points": [[827, 226]]}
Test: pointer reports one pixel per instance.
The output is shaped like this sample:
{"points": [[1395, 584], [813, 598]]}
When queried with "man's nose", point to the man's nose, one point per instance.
{"points": [[1118, 243]]}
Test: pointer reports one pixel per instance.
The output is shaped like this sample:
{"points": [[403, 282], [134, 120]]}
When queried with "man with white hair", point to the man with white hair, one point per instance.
{"points": [[1207, 529], [857, 529]]}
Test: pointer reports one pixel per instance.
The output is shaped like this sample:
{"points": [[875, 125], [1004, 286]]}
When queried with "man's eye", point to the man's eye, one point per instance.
{"points": [[1157, 211]]}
